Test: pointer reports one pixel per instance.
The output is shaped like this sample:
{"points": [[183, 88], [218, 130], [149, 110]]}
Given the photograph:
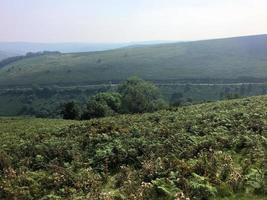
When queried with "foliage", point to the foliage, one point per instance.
{"points": [[45, 101], [134, 96], [257, 181], [70, 110], [201, 188], [139, 96], [102, 105], [206, 151]]}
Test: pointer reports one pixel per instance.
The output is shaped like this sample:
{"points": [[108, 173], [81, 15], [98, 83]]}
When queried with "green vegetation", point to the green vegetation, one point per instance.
{"points": [[133, 96], [70, 111], [103, 105], [240, 59], [13, 59], [44, 102], [38, 84], [139, 96], [206, 151]]}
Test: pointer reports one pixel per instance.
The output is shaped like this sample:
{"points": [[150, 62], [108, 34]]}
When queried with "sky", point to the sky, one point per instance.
{"points": [[116, 21]]}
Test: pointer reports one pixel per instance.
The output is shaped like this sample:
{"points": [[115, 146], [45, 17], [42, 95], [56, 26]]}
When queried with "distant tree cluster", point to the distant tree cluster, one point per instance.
{"points": [[133, 96]]}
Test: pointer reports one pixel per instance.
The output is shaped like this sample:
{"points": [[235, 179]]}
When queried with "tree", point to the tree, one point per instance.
{"points": [[102, 105], [176, 99], [70, 111], [139, 96]]}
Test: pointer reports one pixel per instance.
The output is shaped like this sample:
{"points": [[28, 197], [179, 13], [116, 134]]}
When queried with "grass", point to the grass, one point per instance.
{"points": [[207, 151], [234, 58]]}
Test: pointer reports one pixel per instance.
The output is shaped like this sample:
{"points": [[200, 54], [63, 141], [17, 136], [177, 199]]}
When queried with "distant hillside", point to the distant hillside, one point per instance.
{"points": [[237, 59], [13, 59], [71, 47], [4, 55]]}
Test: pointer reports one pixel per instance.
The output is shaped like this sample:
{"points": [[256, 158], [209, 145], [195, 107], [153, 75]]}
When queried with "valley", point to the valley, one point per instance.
{"points": [[185, 72]]}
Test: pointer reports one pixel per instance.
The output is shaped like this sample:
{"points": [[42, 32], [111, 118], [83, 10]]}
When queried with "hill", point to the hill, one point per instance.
{"points": [[241, 59], [4, 55], [25, 47], [67, 47], [207, 151]]}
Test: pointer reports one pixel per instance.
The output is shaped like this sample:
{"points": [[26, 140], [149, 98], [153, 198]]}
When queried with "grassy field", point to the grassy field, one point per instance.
{"points": [[207, 151], [235, 58]]}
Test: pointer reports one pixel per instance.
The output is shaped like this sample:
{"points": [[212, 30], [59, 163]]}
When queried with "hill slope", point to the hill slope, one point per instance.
{"points": [[203, 151], [4, 55], [233, 58], [25, 47]]}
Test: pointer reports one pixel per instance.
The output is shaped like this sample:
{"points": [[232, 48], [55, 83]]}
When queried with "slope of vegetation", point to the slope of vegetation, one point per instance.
{"points": [[234, 59], [207, 151], [46, 101], [42, 102], [10, 60]]}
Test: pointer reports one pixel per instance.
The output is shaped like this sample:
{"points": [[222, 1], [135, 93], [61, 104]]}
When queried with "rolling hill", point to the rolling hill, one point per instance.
{"points": [[207, 151], [67, 47], [231, 59], [25, 47]]}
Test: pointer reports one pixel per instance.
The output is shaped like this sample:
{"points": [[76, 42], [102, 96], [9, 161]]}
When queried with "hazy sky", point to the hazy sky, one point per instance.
{"points": [[129, 20]]}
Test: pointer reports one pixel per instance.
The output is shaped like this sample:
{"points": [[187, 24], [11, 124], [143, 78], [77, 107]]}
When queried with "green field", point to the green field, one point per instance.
{"points": [[242, 59], [206, 151]]}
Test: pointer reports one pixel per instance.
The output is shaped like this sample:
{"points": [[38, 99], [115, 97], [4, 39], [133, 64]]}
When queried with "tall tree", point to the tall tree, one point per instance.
{"points": [[139, 96], [70, 111], [102, 105]]}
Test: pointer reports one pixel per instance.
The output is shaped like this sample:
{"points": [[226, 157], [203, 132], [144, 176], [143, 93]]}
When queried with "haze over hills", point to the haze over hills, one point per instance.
{"points": [[68, 47], [237, 59], [5, 54]]}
